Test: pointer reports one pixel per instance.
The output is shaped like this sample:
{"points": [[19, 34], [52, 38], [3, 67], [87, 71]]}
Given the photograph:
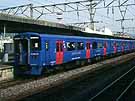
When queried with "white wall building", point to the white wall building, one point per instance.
{"points": [[104, 31], [4, 40]]}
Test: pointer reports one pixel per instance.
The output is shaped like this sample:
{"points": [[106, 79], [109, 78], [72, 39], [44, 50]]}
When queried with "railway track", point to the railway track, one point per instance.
{"points": [[85, 87], [115, 90], [129, 94], [30, 85], [13, 82]]}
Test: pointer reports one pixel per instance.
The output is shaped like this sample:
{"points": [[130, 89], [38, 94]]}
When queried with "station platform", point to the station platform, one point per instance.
{"points": [[6, 72]]}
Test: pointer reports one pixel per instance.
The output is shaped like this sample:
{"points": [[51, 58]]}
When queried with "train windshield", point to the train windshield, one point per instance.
{"points": [[35, 43]]}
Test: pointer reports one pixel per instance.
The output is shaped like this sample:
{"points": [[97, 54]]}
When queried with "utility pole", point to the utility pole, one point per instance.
{"points": [[123, 10], [92, 12], [31, 10], [4, 31]]}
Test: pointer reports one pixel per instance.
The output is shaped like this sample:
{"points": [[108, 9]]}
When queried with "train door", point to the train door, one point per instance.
{"points": [[21, 51], [17, 49], [115, 47], [122, 46], [25, 51], [59, 52], [88, 50], [105, 48]]}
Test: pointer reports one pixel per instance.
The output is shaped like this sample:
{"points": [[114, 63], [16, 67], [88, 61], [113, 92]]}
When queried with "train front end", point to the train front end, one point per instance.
{"points": [[27, 49]]}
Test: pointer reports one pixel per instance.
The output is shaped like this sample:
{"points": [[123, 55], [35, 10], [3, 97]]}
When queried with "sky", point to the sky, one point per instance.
{"points": [[11, 3], [106, 17]]}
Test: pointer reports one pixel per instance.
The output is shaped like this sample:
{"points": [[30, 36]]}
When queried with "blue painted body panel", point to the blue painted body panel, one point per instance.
{"points": [[43, 58]]}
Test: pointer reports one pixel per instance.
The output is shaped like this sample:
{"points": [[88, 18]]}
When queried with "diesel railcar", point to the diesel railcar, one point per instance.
{"points": [[35, 52]]}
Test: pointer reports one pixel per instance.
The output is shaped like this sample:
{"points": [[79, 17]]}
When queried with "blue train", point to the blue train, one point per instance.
{"points": [[35, 52]]}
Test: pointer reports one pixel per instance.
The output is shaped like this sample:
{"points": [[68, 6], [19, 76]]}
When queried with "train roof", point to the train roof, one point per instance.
{"points": [[77, 36], [72, 37]]}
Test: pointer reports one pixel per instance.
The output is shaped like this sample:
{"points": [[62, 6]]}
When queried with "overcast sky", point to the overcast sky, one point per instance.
{"points": [[104, 18]]}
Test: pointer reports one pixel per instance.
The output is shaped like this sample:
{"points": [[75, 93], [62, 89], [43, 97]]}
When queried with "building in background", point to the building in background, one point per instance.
{"points": [[4, 40], [123, 35], [8, 38], [6, 47], [103, 31]]}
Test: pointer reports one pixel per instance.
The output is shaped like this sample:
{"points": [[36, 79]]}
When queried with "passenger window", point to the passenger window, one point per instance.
{"points": [[94, 45], [100, 45], [57, 47], [117, 44], [80, 46], [70, 46], [114, 44], [111, 44], [61, 47], [123, 44], [88, 45], [105, 45]]}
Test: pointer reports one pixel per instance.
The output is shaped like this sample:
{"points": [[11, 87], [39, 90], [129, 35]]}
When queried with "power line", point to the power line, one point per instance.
{"points": [[36, 2]]}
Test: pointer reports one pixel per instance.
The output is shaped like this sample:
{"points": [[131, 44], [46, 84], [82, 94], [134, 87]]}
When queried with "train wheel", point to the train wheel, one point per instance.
{"points": [[77, 62], [89, 60], [82, 63]]}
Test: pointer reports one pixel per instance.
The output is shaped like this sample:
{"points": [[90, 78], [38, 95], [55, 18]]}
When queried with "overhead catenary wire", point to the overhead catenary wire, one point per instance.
{"points": [[109, 5]]}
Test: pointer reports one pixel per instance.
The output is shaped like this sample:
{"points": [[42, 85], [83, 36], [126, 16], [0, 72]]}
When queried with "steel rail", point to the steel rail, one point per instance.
{"points": [[108, 86], [120, 96]]}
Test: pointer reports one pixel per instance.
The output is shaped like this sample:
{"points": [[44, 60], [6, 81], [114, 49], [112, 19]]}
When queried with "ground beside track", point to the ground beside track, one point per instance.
{"points": [[83, 88]]}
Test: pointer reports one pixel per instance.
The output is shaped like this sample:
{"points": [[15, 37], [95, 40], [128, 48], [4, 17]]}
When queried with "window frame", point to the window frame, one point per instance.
{"points": [[95, 45], [100, 44], [88, 45], [80, 47], [37, 41], [68, 48]]}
